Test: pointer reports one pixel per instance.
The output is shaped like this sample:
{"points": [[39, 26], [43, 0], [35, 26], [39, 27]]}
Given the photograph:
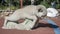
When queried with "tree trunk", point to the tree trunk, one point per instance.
{"points": [[21, 3]]}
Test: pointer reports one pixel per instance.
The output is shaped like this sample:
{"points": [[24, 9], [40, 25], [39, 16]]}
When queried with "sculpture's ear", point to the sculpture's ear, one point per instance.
{"points": [[40, 10]]}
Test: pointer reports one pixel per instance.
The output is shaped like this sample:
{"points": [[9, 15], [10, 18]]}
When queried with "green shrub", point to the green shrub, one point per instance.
{"points": [[45, 4], [3, 7], [58, 6], [14, 7]]}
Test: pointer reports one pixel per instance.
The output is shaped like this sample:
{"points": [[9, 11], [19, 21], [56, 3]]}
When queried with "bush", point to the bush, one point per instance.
{"points": [[45, 4], [3, 7], [58, 6], [14, 7]]}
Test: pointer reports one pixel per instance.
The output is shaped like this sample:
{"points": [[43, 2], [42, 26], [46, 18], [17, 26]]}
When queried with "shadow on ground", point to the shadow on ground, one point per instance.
{"points": [[45, 25]]}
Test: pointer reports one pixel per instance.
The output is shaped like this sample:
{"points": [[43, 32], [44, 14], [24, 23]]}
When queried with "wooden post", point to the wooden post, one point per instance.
{"points": [[21, 3]]}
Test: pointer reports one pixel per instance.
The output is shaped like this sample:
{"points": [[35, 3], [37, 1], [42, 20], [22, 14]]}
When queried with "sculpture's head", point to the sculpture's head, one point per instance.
{"points": [[42, 11]]}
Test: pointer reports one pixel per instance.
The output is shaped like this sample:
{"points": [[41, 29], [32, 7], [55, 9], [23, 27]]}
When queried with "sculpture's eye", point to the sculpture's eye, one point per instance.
{"points": [[39, 10]]}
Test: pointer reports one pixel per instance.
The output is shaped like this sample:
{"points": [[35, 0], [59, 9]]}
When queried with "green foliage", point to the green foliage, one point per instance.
{"points": [[45, 4], [3, 7], [58, 6], [13, 7], [15, 4]]}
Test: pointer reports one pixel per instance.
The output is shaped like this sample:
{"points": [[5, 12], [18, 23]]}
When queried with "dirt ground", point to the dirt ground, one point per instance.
{"points": [[43, 29]]}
